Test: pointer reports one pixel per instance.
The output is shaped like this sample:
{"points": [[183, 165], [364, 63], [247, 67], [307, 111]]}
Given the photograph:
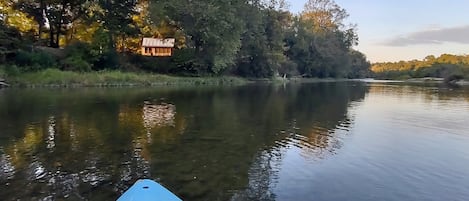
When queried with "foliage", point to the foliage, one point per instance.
{"points": [[10, 41], [262, 50], [57, 14], [76, 64], [107, 60], [117, 19], [33, 61], [213, 30], [443, 66], [15, 18], [9, 70], [359, 66], [249, 38]]}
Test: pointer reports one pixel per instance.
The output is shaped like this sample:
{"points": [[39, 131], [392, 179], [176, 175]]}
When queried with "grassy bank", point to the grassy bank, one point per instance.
{"points": [[57, 78]]}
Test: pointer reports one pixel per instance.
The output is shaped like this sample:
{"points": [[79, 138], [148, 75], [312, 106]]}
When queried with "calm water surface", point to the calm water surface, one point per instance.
{"points": [[318, 141]]}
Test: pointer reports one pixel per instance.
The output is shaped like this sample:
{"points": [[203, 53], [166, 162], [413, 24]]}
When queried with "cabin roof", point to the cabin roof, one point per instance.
{"points": [[158, 42]]}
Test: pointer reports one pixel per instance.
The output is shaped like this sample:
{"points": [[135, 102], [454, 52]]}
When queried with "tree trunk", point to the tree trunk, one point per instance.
{"points": [[123, 43], [51, 36], [57, 38], [41, 24]]}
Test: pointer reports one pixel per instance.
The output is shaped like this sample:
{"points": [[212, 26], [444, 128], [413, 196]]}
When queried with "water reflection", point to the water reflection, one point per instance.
{"points": [[204, 143]]}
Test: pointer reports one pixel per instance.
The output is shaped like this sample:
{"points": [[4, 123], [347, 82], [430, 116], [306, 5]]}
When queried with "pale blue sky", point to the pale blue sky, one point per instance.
{"points": [[393, 30]]}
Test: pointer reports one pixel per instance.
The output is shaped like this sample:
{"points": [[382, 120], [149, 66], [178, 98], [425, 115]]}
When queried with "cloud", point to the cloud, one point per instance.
{"points": [[433, 36]]}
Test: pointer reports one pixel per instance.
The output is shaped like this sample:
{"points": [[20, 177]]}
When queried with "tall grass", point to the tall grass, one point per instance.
{"points": [[54, 77]]}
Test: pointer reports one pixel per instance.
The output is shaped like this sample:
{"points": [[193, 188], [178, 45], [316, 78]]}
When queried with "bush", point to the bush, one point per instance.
{"points": [[76, 63], [107, 60], [23, 58], [79, 49], [34, 61], [288, 68], [11, 70]]}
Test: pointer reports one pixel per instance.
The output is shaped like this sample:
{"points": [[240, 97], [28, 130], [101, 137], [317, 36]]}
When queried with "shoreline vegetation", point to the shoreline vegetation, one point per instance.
{"points": [[99, 43], [58, 78], [252, 39], [451, 69]]}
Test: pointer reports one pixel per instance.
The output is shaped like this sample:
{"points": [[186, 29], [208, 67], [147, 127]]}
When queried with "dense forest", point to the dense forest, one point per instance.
{"points": [[249, 38], [447, 66]]}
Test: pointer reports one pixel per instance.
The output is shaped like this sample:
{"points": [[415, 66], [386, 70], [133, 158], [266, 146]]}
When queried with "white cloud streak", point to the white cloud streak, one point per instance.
{"points": [[435, 36]]}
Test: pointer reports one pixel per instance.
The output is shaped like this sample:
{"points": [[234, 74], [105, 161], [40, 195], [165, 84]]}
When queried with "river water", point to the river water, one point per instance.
{"points": [[316, 141]]}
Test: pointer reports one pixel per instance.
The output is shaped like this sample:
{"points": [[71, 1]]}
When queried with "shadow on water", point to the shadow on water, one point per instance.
{"points": [[202, 143]]}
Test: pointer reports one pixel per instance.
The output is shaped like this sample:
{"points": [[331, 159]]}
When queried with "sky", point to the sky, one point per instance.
{"points": [[394, 30]]}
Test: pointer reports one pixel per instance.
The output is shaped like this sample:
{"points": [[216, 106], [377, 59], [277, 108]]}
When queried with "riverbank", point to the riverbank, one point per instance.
{"points": [[418, 81], [434, 80], [58, 78]]}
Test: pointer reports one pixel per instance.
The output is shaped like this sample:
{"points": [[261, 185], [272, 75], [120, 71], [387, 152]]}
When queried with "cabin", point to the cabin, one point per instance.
{"points": [[158, 47]]}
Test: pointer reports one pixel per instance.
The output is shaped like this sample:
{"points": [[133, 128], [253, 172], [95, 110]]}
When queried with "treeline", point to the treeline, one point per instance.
{"points": [[249, 38], [447, 66]]}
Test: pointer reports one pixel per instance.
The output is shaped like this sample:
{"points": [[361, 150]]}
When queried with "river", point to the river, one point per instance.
{"points": [[311, 141]]}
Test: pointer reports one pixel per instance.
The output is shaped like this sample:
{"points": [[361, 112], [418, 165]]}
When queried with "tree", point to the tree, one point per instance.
{"points": [[212, 27], [320, 43], [325, 14], [262, 50], [117, 19], [56, 14], [15, 18], [10, 41], [359, 66]]}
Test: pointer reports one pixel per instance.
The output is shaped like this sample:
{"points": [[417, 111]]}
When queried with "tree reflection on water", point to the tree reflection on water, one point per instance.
{"points": [[204, 143]]}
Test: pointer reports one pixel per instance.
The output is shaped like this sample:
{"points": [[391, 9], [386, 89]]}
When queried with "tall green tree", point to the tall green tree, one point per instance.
{"points": [[359, 65], [320, 42], [212, 27], [262, 50], [116, 17]]}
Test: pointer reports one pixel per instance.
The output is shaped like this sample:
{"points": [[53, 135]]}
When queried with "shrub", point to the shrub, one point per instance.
{"points": [[76, 63], [23, 58], [80, 50], [11, 70], [107, 60], [43, 59], [34, 61]]}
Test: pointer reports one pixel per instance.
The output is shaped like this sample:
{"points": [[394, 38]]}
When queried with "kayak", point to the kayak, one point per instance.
{"points": [[146, 190]]}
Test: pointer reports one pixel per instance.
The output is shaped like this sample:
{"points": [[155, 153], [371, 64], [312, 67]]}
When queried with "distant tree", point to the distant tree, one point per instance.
{"points": [[443, 66]]}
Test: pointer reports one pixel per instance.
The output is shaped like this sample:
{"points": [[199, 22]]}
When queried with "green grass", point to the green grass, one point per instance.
{"points": [[54, 77]]}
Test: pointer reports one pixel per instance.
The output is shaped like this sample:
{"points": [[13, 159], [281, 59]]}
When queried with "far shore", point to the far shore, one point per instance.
{"points": [[57, 78], [435, 80]]}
